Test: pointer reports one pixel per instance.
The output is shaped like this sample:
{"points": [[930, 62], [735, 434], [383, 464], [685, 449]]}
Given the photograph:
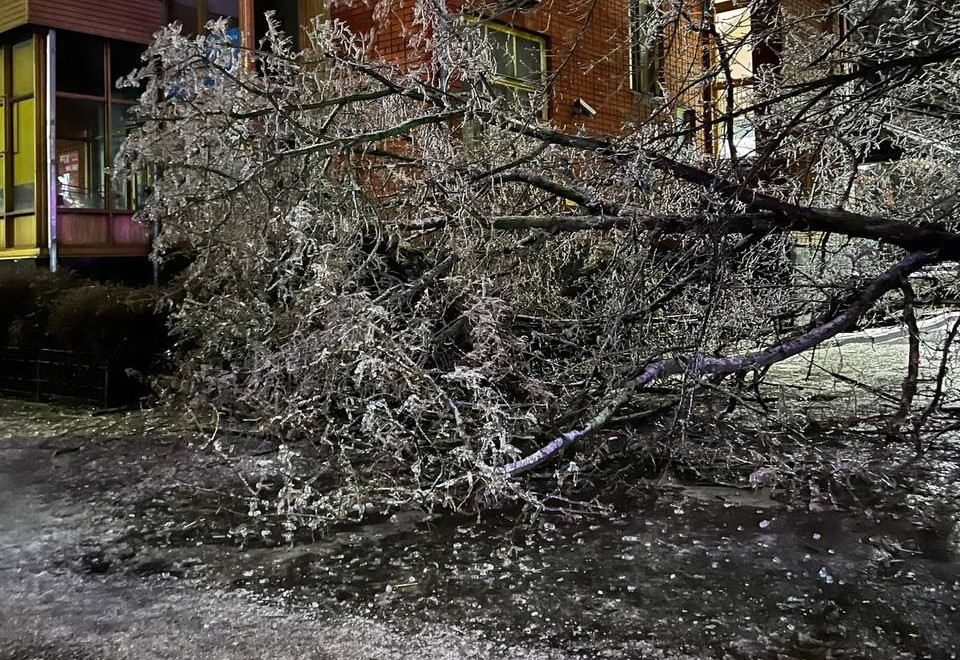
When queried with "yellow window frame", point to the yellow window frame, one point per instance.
{"points": [[12, 106], [515, 82]]}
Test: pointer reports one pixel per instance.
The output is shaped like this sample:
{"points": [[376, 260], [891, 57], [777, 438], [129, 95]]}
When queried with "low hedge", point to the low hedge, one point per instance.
{"points": [[123, 326]]}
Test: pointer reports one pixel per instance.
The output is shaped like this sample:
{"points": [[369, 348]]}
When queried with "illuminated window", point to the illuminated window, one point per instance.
{"points": [[18, 139], [18, 145], [81, 163], [644, 48], [3, 139], [93, 119]]}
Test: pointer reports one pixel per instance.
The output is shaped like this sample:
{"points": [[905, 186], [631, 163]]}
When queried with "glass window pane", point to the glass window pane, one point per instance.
{"points": [[529, 60], [124, 58], [80, 64], [644, 30], [24, 154], [80, 154], [501, 45], [129, 194], [734, 29], [515, 97], [23, 66], [185, 13], [222, 8], [226, 9], [118, 132]]}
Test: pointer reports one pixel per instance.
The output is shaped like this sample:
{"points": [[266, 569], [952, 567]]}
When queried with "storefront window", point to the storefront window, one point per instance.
{"points": [[24, 154], [80, 154], [185, 13], [222, 8], [124, 58], [92, 124], [22, 78], [3, 135], [131, 193]]}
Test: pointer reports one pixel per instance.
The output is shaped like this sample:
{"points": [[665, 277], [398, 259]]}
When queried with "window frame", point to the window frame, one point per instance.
{"points": [[515, 82], [9, 215], [107, 101]]}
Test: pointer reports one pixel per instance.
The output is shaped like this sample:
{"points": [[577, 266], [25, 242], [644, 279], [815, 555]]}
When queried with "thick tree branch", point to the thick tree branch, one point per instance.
{"points": [[669, 224], [701, 365], [789, 216], [734, 223], [910, 237], [572, 193]]}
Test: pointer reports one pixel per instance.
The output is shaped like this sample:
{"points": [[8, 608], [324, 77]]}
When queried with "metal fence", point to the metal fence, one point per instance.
{"points": [[47, 374]]}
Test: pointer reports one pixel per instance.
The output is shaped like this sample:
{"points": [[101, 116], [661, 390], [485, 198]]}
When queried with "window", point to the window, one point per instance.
{"points": [[733, 27], [644, 48], [81, 159], [193, 15], [520, 63], [18, 145], [92, 121]]}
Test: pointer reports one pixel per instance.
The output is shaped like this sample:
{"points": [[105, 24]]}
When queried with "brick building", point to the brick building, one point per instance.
{"points": [[594, 66], [577, 50]]}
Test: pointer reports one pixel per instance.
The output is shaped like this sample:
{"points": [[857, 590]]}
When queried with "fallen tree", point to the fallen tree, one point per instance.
{"points": [[422, 317]]}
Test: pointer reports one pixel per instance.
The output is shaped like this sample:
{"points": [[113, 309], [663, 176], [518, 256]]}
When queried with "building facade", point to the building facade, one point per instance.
{"points": [[62, 119]]}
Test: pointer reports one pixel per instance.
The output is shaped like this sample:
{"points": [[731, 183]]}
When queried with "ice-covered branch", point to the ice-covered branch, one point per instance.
{"points": [[700, 365]]}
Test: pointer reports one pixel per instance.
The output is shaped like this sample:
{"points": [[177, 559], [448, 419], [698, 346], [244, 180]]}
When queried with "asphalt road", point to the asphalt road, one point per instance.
{"points": [[50, 610]]}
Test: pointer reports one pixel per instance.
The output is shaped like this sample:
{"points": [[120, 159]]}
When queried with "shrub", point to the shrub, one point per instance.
{"points": [[118, 324], [25, 297]]}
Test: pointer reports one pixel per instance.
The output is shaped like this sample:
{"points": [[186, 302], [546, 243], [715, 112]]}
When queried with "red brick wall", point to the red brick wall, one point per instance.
{"points": [[389, 24], [588, 53], [588, 57]]}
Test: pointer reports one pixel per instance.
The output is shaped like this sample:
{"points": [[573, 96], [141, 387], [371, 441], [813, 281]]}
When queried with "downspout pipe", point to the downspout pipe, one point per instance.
{"points": [[51, 126]]}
